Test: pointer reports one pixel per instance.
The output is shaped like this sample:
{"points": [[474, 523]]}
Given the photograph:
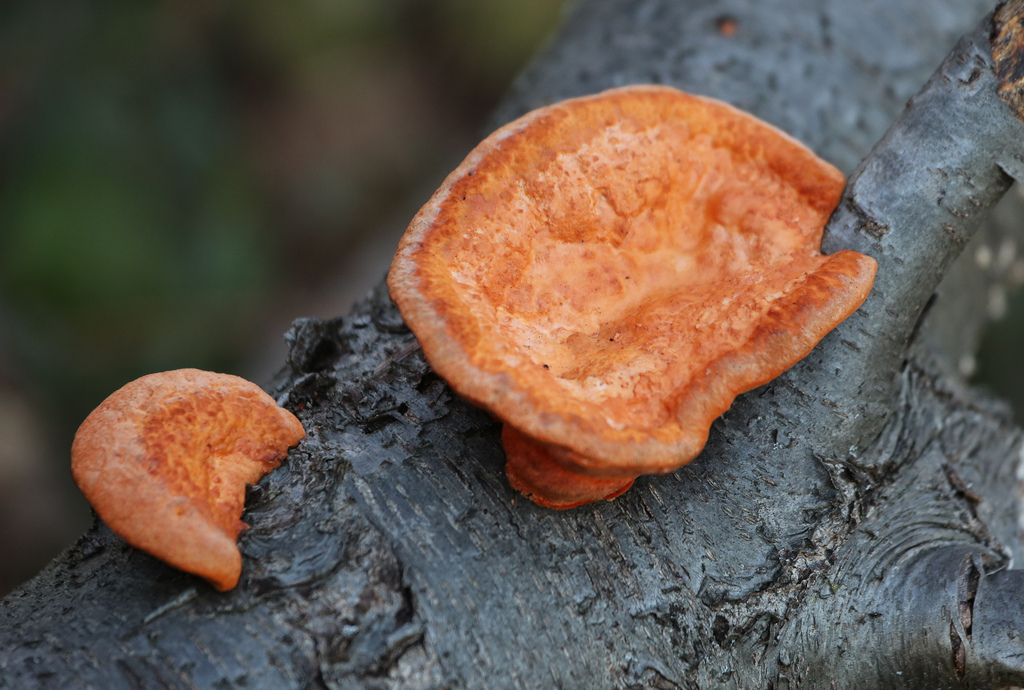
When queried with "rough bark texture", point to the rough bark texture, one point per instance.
{"points": [[848, 525]]}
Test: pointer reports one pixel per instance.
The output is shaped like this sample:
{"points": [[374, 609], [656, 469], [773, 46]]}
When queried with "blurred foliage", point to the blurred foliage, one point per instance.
{"points": [[171, 172], [1000, 360]]}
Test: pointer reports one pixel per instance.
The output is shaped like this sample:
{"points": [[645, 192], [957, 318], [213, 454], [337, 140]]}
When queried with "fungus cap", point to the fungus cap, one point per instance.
{"points": [[164, 462], [607, 273]]}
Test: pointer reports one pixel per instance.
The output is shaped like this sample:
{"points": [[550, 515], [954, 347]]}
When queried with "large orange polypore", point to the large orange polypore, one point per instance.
{"points": [[607, 273], [164, 462]]}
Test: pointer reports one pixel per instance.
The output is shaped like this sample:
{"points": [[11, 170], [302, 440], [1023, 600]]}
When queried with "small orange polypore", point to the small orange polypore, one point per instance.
{"points": [[164, 462], [608, 273]]}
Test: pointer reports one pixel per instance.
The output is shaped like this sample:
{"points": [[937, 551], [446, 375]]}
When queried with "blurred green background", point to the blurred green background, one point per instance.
{"points": [[180, 180]]}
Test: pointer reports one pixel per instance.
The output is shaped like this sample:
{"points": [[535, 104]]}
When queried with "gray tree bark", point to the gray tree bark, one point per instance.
{"points": [[851, 524]]}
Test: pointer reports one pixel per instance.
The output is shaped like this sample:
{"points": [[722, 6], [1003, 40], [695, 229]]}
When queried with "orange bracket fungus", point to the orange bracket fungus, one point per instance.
{"points": [[606, 274], [164, 462]]}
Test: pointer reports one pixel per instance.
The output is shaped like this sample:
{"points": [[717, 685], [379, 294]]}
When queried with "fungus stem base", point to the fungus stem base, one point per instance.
{"points": [[533, 471]]}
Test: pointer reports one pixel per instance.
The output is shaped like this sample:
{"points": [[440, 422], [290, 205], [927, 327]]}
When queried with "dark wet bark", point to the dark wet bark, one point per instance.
{"points": [[850, 524]]}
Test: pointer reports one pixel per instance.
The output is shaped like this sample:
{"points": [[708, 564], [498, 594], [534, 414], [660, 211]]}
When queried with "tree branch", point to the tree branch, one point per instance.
{"points": [[913, 204], [389, 551]]}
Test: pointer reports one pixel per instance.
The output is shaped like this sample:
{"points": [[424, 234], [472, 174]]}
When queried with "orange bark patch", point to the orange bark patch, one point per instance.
{"points": [[606, 274], [164, 462]]}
